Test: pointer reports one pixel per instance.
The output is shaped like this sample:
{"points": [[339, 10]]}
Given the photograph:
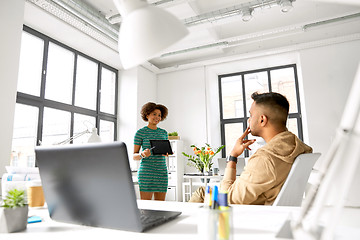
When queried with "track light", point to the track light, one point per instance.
{"points": [[247, 14], [286, 6]]}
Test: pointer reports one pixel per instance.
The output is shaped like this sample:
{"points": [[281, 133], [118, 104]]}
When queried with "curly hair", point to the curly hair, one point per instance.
{"points": [[150, 107]]}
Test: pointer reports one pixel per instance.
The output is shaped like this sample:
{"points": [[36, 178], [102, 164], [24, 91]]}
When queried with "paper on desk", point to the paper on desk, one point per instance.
{"points": [[21, 170], [14, 177], [20, 177]]}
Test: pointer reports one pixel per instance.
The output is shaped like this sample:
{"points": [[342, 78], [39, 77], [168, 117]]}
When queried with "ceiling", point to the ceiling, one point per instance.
{"points": [[220, 35]]}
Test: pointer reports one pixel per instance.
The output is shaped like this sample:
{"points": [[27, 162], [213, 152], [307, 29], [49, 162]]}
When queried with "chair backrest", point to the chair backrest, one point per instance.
{"points": [[292, 192]]}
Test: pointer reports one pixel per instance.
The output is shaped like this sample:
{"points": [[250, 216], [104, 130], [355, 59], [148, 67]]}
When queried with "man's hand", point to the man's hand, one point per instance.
{"points": [[241, 144]]}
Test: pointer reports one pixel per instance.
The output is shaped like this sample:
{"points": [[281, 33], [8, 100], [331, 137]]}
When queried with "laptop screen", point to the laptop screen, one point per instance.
{"points": [[239, 166], [89, 184]]}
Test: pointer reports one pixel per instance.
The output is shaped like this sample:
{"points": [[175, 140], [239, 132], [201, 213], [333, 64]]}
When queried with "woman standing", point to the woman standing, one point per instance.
{"points": [[152, 174]]}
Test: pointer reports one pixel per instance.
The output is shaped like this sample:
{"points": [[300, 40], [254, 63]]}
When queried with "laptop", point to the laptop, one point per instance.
{"points": [[239, 166], [91, 184]]}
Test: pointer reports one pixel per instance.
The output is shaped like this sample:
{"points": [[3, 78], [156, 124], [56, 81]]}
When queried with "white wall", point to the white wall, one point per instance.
{"points": [[136, 87], [11, 20], [147, 84], [128, 106], [328, 73], [325, 76], [183, 93]]}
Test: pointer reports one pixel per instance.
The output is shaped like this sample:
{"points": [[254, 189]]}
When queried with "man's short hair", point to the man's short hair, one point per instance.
{"points": [[276, 103]]}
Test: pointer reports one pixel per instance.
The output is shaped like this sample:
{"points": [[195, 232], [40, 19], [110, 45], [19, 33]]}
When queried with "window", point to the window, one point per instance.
{"points": [[30, 67], [59, 74], [235, 101], [107, 91], [61, 93], [24, 135], [86, 83]]}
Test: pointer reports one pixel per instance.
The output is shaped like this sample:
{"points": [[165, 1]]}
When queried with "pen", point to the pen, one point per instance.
{"points": [[152, 148], [214, 213], [214, 202]]}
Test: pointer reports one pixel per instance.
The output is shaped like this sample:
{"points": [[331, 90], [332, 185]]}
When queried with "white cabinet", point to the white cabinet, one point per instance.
{"points": [[171, 194], [136, 184], [175, 165], [137, 191]]}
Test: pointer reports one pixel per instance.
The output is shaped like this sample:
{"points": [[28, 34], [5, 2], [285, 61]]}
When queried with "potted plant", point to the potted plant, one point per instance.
{"points": [[14, 212], [202, 158], [173, 136]]}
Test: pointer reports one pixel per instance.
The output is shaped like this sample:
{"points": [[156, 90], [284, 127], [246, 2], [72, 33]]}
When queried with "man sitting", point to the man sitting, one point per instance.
{"points": [[268, 167]]}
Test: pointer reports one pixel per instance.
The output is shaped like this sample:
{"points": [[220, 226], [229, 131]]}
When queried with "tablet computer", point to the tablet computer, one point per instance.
{"points": [[161, 147]]}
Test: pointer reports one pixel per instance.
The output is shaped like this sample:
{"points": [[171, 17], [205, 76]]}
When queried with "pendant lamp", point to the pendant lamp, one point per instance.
{"points": [[145, 31]]}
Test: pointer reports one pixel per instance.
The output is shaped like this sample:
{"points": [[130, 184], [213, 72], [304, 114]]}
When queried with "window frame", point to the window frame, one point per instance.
{"points": [[244, 120], [41, 102]]}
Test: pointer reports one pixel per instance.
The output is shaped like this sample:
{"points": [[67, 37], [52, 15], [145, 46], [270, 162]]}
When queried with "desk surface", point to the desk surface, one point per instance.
{"points": [[202, 176], [250, 222]]}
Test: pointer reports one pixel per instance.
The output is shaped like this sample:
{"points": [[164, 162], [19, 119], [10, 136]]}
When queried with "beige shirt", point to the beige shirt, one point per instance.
{"points": [[265, 172]]}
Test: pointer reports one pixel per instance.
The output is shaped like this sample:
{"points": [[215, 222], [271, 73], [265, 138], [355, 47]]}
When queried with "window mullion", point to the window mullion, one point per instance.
{"points": [[269, 80], [98, 98], [244, 100]]}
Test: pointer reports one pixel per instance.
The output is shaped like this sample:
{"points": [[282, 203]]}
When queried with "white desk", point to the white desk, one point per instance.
{"points": [[250, 222]]}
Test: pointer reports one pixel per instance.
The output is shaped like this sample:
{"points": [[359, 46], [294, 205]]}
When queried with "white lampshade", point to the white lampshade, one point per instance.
{"points": [[286, 6], [247, 15], [145, 31], [94, 136]]}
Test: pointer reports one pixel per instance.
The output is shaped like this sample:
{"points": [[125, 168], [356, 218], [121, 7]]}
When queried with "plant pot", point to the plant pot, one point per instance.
{"points": [[13, 219], [173, 137], [206, 173]]}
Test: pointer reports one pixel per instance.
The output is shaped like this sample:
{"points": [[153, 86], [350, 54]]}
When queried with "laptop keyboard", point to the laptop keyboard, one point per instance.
{"points": [[151, 218], [147, 219]]}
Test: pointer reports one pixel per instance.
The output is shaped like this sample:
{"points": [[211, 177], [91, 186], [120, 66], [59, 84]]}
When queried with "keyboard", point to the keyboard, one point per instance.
{"points": [[151, 220]]}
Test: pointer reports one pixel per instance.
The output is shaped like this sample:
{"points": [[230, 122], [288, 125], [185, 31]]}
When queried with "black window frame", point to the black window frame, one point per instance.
{"points": [[244, 119], [41, 102]]}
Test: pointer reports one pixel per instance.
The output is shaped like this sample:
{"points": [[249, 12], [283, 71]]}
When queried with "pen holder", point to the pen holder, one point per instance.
{"points": [[215, 224], [35, 194]]}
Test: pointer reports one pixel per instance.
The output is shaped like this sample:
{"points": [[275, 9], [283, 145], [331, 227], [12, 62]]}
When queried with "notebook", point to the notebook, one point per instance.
{"points": [[239, 166], [91, 184]]}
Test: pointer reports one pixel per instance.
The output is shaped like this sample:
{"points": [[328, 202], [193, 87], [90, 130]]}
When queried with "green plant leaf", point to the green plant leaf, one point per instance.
{"points": [[14, 198], [202, 160]]}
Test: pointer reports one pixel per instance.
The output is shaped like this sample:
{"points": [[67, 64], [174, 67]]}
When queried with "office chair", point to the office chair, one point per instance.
{"points": [[291, 193]]}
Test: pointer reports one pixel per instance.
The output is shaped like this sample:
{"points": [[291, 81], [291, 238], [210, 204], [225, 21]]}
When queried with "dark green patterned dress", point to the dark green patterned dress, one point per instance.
{"points": [[152, 174]]}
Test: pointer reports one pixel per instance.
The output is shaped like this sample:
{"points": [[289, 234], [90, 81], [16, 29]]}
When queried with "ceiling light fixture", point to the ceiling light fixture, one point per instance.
{"points": [[93, 26], [145, 31], [254, 5], [247, 14], [286, 6]]}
